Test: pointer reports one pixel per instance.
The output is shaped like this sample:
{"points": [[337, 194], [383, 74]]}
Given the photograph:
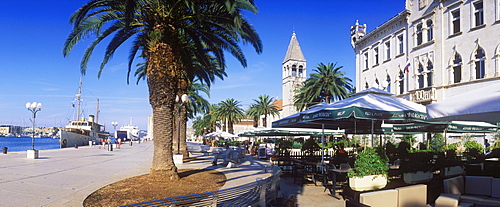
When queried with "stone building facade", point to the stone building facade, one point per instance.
{"points": [[432, 50]]}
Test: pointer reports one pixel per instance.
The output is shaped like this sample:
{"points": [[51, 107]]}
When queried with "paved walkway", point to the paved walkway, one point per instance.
{"points": [[65, 177]]}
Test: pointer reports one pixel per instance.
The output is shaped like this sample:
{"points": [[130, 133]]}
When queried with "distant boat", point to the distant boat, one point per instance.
{"points": [[81, 131], [128, 132]]}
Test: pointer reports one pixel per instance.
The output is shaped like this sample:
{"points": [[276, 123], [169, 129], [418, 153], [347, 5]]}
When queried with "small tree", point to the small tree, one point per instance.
{"points": [[369, 162]]}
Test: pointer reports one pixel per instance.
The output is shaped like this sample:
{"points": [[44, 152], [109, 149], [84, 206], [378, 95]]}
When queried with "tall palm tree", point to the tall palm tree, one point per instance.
{"points": [[327, 84], [230, 111], [252, 112], [175, 38], [263, 106], [196, 105]]}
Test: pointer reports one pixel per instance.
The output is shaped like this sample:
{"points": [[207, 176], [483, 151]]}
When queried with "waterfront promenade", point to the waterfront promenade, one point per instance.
{"points": [[65, 177]]}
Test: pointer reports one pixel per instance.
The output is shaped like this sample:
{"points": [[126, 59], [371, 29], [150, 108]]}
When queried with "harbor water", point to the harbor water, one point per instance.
{"points": [[24, 143]]}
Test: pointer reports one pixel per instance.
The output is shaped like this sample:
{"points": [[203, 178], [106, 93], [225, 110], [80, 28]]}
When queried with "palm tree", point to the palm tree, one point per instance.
{"points": [[263, 107], [175, 38], [252, 112], [327, 84], [196, 104], [230, 111]]}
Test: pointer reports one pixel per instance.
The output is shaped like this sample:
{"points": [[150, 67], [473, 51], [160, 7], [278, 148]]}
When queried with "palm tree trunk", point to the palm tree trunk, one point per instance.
{"points": [[161, 84], [184, 149]]}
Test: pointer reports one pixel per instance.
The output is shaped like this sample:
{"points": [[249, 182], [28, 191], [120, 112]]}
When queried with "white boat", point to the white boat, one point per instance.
{"points": [[128, 132], [81, 131]]}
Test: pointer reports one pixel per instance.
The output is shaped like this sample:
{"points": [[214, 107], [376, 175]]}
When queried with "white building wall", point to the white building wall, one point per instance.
{"points": [[438, 51]]}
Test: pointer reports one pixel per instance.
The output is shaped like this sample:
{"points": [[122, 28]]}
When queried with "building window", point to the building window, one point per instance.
{"points": [[366, 60], [479, 63], [301, 71], [455, 21], [387, 50], [400, 44], [429, 73], [457, 68], [375, 55], [420, 76], [419, 34], [478, 14], [401, 82], [294, 70], [388, 88], [430, 31]]}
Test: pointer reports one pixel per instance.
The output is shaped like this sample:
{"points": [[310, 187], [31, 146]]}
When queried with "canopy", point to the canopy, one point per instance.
{"points": [[361, 113], [442, 126], [290, 132], [476, 105], [220, 134]]}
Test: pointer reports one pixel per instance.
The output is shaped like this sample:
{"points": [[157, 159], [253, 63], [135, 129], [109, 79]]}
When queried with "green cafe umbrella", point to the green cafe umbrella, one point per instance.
{"points": [[364, 112], [442, 126], [289, 132]]}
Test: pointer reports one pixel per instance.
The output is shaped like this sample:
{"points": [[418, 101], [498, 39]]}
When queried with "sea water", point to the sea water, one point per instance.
{"points": [[24, 143]]}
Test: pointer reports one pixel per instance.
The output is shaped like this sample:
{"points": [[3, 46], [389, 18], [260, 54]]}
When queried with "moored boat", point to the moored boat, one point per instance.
{"points": [[82, 131]]}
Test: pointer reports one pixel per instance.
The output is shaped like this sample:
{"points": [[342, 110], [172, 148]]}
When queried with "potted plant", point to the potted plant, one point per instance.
{"points": [[449, 164], [370, 171], [417, 166], [473, 152]]}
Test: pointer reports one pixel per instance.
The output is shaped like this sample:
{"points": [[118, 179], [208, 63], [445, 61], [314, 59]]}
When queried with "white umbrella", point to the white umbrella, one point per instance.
{"points": [[476, 105]]}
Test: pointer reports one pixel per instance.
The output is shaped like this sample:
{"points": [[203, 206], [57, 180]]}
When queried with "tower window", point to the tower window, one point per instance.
{"points": [[294, 70]]}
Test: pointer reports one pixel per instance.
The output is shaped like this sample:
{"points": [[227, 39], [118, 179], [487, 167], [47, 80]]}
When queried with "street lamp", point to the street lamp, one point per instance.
{"points": [[114, 123], [183, 99], [33, 107]]}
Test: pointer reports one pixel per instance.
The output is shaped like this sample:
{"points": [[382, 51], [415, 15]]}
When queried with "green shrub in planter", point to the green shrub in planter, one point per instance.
{"points": [[369, 162]]}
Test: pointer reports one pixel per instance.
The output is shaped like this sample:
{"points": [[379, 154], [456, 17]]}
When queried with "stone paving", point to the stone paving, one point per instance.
{"points": [[65, 177]]}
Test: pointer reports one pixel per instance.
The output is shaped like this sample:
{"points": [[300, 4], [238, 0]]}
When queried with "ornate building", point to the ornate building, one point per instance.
{"points": [[432, 50]]}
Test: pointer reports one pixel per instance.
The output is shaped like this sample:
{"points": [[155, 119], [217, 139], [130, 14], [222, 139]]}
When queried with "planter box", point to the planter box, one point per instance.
{"points": [[418, 177], [369, 182], [453, 171]]}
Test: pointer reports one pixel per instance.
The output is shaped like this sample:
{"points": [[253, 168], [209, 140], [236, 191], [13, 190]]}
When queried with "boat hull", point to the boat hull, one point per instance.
{"points": [[70, 139]]}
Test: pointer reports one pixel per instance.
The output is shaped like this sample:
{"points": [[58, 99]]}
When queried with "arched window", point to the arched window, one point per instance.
{"points": [[388, 88], [479, 63], [429, 30], [401, 82], [420, 76], [294, 70], [430, 67], [457, 68]]}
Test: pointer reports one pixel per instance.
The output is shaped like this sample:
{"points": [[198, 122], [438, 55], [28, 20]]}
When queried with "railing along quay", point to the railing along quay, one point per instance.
{"points": [[253, 194]]}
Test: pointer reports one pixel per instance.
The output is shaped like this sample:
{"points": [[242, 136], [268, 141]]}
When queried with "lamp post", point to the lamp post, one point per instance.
{"points": [[183, 99], [114, 123], [33, 107]]}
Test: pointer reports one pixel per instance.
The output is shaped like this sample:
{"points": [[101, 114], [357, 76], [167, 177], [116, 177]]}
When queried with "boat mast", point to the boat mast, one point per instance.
{"points": [[97, 111], [78, 100]]}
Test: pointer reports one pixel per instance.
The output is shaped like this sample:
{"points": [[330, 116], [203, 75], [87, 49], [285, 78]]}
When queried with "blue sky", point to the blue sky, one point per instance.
{"points": [[32, 67]]}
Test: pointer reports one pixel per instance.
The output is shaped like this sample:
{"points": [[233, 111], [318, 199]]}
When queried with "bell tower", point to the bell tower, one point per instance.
{"points": [[294, 74], [357, 32]]}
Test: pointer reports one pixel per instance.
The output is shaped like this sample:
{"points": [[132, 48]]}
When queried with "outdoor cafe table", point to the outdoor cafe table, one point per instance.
{"points": [[335, 173]]}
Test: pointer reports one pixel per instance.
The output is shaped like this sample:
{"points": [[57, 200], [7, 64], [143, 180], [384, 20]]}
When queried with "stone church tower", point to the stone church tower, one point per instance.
{"points": [[294, 74]]}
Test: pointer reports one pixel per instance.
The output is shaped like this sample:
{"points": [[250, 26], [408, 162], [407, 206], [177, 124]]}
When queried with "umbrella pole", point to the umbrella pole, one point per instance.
{"points": [[322, 147], [372, 133]]}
